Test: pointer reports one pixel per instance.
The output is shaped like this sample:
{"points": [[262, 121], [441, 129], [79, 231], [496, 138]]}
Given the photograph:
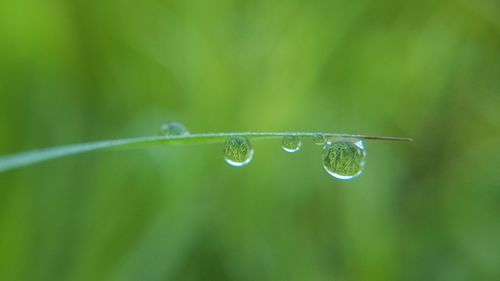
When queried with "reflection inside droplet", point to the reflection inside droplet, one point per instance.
{"points": [[344, 159], [291, 143], [173, 129], [319, 139], [238, 151]]}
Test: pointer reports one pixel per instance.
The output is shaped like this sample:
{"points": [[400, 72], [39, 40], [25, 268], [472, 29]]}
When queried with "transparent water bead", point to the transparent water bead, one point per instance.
{"points": [[173, 129], [319, 139], [291, 143], [238, 151], [344, 159]]}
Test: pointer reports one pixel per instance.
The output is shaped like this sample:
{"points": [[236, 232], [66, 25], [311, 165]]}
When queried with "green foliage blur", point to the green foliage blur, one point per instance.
{"points": [[74, 71]]}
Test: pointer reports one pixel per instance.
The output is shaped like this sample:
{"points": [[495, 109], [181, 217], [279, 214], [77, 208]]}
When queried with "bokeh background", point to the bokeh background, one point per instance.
{"points": [[74, 71]]}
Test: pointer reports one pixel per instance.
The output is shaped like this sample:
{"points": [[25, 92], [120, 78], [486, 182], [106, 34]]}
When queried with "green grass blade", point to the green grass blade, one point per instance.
{"points": [[10, 162]]}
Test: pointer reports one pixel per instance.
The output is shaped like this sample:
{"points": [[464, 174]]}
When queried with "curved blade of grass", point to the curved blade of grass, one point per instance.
{"points": [[27, 158]]}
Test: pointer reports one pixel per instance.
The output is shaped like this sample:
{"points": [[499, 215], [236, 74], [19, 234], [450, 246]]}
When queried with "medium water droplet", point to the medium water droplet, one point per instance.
{"points": [[319, 139], [291, 143], [173, 129], [238, 151], [344, 159]]}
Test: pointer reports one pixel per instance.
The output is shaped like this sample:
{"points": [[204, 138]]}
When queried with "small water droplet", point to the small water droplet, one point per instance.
{"points": [[319, 139], [344, 159], [173, 129], [238, 151], [291, 143]]}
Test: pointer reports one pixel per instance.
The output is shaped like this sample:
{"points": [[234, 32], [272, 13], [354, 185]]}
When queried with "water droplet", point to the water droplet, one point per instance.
{"points": [[344, 159], [319, 139], [173, 129], [291, 143], [238, 151]]}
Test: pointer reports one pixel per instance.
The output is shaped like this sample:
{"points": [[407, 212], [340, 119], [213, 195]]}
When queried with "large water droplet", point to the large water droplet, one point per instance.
{"points": [[291, 143], [173, 129], [319, 139], [238, 151], [344, 159]]}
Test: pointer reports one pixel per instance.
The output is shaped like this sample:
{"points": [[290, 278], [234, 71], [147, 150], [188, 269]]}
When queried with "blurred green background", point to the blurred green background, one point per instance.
{"points": [[74, 71]]}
